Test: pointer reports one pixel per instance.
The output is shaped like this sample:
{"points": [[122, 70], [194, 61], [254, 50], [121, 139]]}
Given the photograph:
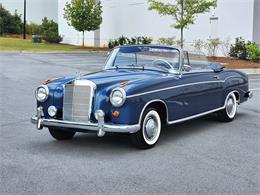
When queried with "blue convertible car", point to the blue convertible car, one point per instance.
{"points": [[141, 89]]}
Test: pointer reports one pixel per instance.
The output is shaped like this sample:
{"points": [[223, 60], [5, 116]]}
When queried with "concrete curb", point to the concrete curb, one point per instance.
{"points": [[251, 71]]}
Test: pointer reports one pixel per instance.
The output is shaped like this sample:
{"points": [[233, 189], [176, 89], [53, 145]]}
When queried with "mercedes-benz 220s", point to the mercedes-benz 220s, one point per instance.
{"points": [[141, 89]]}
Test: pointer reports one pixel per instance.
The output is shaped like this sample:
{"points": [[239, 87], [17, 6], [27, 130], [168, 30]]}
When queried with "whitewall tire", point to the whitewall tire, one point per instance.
{"points": [[229, 112], [150, 130]]}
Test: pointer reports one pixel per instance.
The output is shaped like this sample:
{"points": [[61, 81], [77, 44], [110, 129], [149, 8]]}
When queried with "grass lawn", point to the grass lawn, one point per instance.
{"points": [[16, 44]]}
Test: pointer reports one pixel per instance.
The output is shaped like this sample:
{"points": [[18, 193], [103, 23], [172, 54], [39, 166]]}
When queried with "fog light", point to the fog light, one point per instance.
{"points": [[115, 114], [99, 114], [52, 111]]}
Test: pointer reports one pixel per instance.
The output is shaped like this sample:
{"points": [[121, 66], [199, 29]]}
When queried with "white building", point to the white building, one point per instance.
{"points": [[233, 18], [36, 9]]}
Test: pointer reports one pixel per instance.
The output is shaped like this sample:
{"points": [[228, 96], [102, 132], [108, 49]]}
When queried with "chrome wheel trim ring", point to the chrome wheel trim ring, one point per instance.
{"points": [[231, 105], [151, 127]]}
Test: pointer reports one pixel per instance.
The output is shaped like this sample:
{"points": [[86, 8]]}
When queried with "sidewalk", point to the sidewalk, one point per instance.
{"points": [[251, 71]]}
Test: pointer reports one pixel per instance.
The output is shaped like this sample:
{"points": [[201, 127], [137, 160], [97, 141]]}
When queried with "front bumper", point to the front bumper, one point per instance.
{"points": [[101, 128]]}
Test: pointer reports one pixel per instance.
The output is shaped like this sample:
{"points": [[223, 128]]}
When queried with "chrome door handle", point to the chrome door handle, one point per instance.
{"points": [[216, 77]]}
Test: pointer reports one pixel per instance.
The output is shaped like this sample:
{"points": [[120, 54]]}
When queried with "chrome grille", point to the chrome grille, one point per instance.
{"points": [[77, 101]]}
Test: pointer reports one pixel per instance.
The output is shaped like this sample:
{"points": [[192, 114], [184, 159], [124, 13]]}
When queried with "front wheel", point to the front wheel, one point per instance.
{"points": [[150, 130], [61, 134], [230, 110]]}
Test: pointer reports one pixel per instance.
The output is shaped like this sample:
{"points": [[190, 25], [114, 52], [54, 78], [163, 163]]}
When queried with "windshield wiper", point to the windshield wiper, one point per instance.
{"points": [[136, 65], [129, 66], [143, 67], [157, 67]]}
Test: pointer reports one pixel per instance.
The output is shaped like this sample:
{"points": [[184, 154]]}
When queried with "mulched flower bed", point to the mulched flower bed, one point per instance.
{"points": [[232, 63]]}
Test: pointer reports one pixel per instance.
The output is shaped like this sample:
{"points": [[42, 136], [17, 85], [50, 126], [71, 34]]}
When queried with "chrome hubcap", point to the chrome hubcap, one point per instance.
{"points": [[231, 107], [151, 128]]}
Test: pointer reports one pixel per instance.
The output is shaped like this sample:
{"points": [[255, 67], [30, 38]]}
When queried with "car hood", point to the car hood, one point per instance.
{"points": [[114, 77], [118, 76]]}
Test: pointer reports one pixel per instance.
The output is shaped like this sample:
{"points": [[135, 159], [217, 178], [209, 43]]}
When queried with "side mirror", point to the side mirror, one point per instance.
{"points": [[217, 67], [186, 68]]}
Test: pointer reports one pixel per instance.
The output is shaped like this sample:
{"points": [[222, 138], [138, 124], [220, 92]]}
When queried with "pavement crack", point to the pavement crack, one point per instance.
{"points": [[13, 123]]}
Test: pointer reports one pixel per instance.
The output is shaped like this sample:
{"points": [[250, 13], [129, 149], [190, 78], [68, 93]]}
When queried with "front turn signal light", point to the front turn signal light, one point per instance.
{"points": [[115, 114]]}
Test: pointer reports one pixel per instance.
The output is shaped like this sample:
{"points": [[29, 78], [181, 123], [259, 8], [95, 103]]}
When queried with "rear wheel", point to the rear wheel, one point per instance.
{"points": [[150, 130], [230, 110], [59, 134]]}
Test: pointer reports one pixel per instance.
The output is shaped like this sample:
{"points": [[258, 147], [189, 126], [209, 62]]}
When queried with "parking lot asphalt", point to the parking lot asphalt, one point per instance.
{"points": [[202, 156]]}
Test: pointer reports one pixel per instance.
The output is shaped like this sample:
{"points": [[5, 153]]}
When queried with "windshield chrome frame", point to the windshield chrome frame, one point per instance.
{"points": [[112, 55], [181, 62]]}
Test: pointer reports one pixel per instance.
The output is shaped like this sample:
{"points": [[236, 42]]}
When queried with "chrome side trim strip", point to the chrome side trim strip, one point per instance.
{"points": [[178, 86], [194, 116], [174, 87]]}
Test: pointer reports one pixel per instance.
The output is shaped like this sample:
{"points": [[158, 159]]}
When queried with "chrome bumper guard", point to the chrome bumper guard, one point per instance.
{"points": [[249, 94], [101, 128]]}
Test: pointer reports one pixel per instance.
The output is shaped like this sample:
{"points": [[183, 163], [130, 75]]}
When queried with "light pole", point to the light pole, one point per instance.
{"points": [[24, 19]]}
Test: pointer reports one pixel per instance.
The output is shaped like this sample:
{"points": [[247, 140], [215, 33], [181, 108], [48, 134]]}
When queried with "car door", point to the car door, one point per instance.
{"points": [[200, 91]]}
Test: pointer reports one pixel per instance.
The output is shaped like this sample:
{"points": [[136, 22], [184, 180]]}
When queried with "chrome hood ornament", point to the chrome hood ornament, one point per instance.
{"points": [[78, 75]]}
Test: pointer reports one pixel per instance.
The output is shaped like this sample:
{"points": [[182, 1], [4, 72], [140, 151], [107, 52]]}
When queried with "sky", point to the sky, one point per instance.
{"points": [[36, 9]]}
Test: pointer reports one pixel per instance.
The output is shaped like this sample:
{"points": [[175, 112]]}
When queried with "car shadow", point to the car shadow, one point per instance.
{"points": [[179, 130], [119, 144], [84, 144], [194, 126]]}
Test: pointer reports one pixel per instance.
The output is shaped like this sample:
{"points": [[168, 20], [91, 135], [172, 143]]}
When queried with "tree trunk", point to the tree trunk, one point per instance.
{"points": [[181, 38], [182, 12], [83, 40]]}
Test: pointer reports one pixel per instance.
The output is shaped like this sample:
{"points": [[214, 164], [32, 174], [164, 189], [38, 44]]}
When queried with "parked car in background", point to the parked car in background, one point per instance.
{"points": [[141, 89]]}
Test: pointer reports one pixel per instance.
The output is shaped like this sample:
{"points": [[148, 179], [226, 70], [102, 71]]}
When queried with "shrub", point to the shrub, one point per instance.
{"points": [[198, 45], [113, 43], [9, 24], [138, 40], [212, 46], [129, 41], [34, 29], [238, 50], [123, 40], [253, 52], [52, 36], [50, 31], [132, 41], [147, 40], [166, 41], [225, 46]]}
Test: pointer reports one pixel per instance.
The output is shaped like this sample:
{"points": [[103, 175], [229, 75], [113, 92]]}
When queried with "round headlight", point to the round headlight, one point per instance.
{"points": [[42, 93], [52, 111], [118, 97]]}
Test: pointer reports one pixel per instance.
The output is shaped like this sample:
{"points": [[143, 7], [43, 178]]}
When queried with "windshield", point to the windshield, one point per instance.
{"points": [[145, 57]]}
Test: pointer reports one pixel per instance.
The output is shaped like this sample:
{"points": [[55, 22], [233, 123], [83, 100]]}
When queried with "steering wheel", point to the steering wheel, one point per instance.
{"points": [[166, 64]]}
